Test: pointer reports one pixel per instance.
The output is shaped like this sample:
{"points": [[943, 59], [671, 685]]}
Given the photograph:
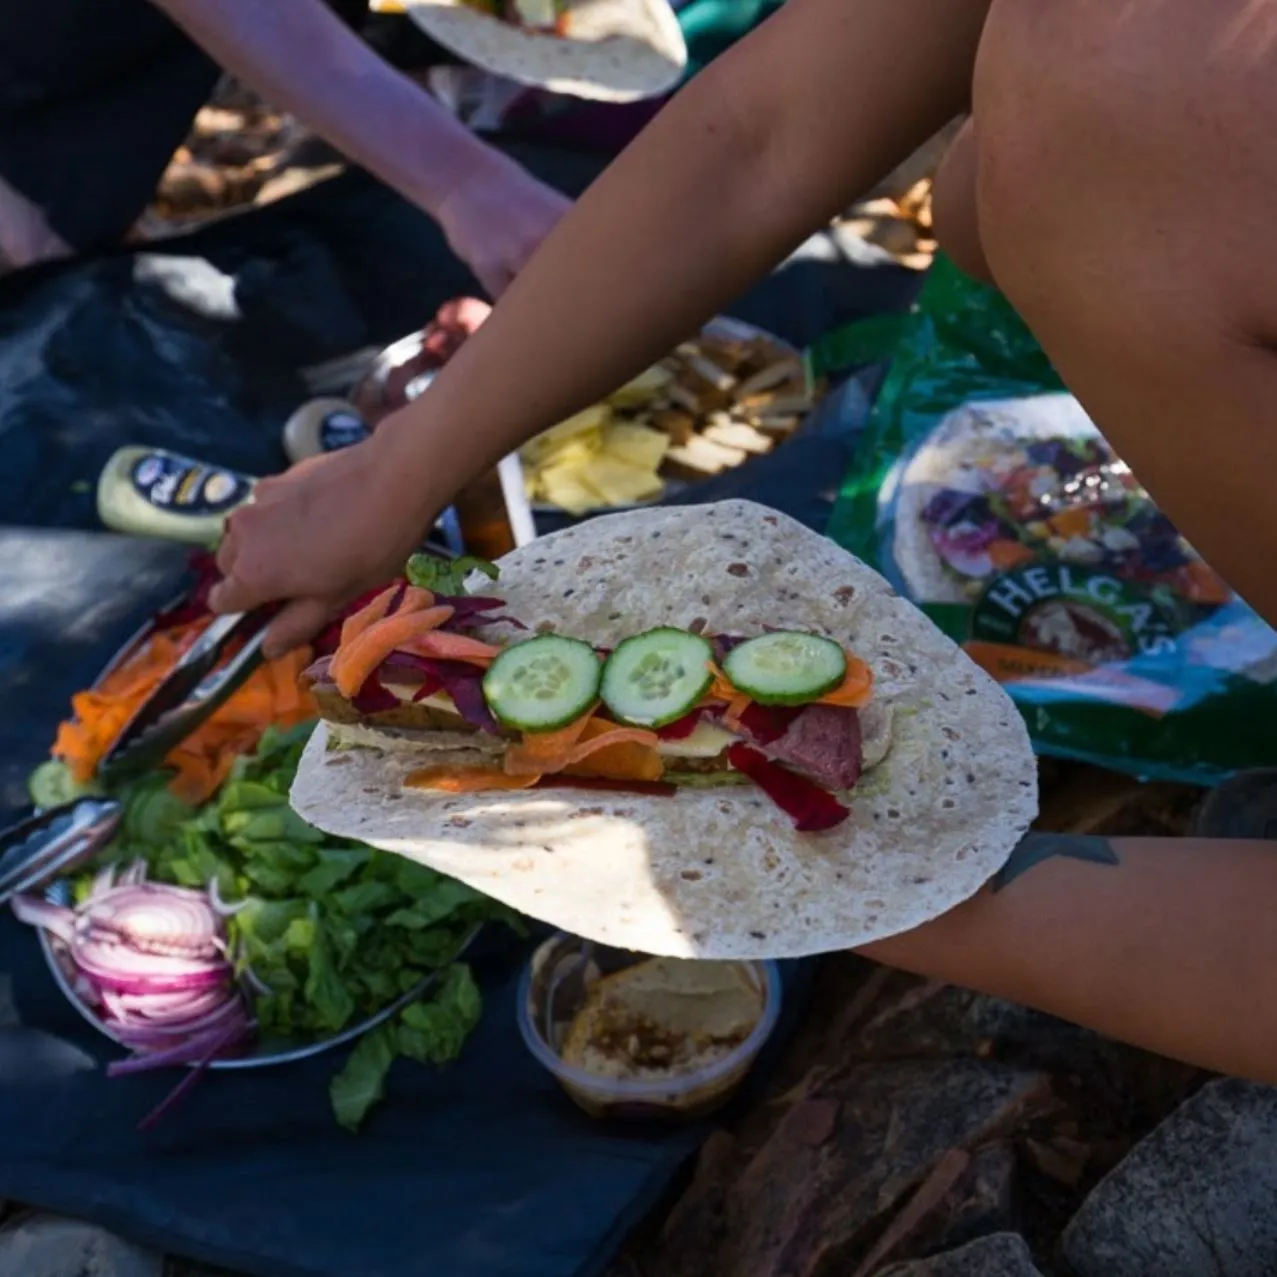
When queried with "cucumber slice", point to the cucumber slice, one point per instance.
{"points": [[542, 683], [656, 677], [50, 785], [786, 667]]}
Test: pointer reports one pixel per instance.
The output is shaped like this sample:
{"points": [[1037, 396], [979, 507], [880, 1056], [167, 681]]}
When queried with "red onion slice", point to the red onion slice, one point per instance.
{"points": [[123, 969], [166, 921], [55, 919]]}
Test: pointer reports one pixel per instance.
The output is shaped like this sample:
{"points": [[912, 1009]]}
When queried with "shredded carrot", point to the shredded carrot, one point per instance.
{"points": [[597, 735], [856, 687], [353, 662], [440, 645], [553, 744], [414, 600], [721, 690], [203, 760], [467, 780]]}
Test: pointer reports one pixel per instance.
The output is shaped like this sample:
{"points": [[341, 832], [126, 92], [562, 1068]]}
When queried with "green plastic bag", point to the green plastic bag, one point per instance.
{"points": [[983, 493]]}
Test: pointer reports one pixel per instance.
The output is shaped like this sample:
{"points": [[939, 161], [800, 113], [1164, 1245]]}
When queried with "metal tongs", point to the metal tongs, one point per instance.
{"points": [[194, 689], [45, 846]]}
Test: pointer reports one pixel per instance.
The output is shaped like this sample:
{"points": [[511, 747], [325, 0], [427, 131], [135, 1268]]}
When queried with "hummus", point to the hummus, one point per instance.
{"points": [[663, 1018]]}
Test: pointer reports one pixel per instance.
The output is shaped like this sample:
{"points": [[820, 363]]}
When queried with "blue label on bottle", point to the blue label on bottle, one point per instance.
{"points": [[187, 487]]}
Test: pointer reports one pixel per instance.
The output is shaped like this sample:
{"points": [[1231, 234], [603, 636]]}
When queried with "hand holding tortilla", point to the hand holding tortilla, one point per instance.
{"points": [[693, 845]]}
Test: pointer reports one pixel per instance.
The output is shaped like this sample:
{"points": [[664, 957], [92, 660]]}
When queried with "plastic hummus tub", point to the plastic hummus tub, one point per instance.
{"points": [[633, 1037]]}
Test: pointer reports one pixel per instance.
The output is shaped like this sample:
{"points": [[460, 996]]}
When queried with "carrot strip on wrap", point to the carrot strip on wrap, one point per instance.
{"points": [[531, 756], [441, 645], [414, 599], [353, 662], [856, 688], [466, 780]]}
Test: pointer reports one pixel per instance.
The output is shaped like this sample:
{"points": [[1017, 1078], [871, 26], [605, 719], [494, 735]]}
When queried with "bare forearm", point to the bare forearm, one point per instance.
{"points": [[300, 55], [1164, 943], [757, 152]]}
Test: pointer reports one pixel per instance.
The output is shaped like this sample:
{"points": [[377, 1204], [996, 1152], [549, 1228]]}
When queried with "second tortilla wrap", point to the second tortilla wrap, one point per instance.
{"points": [[613, 51]]}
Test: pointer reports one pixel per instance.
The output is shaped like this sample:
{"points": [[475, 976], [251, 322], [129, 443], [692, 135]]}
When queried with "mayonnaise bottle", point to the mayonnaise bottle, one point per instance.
{"points": [[154, 493], [323, 425]]}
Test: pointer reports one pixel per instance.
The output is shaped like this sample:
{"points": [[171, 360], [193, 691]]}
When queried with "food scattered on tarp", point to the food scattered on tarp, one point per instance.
{"points": [[710, 406], [986, 495]]}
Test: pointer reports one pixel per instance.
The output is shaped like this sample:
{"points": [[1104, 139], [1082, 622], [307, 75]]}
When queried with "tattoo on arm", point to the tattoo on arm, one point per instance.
{"points": [[1033, 849]]}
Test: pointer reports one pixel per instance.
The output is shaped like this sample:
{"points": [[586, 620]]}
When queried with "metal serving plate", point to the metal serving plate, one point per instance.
{"points": [[265, 1052], [369, 389]]}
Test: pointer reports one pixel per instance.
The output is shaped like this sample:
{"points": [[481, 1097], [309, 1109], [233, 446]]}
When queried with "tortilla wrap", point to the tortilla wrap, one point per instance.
{"points": [[720, 873], [952, 456], [614, 50]]}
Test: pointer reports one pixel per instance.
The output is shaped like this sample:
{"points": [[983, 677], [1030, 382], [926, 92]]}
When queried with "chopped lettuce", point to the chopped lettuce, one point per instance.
{"points": [[336, 930], [446, 576]]}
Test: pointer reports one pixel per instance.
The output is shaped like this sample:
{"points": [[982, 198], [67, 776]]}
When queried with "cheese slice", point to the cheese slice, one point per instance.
{"points": [[707, 741], [406, 691]]}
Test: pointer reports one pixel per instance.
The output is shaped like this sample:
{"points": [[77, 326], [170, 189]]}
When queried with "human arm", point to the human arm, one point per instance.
{"points": [[759, 150], [299, 55], [1165, 943]]}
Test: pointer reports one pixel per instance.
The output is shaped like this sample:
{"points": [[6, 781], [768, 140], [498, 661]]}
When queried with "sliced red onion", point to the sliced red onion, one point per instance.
{"points": [[219, 905], [811, 808], [219, 1044], [462, 682], [123, 969], [431, 687], [189, 1052], [55, 919], [470, 611], [149, 1008], [152, 918]]}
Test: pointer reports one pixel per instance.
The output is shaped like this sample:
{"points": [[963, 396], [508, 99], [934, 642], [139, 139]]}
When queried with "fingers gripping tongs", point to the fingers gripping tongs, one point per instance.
{"points": [[197, 685]]}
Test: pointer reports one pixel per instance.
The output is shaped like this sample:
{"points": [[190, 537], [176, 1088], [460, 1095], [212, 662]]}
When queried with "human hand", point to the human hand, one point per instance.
{"points": [[496, 219], [454, 321], [316, 536]]}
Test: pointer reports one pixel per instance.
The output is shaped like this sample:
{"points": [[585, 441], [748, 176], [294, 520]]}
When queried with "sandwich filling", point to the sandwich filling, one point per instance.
{"points": [[789, 712]]}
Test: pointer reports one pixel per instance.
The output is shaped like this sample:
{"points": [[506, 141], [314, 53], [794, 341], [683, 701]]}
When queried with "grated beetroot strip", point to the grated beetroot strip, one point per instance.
{"points": [[811, 808]]}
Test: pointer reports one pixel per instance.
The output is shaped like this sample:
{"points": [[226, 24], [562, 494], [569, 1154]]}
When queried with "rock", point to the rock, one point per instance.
{"points": [[1194, 1197], [878, 1149], [914, 1018], [1001, 1255], [50, 1246]]}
